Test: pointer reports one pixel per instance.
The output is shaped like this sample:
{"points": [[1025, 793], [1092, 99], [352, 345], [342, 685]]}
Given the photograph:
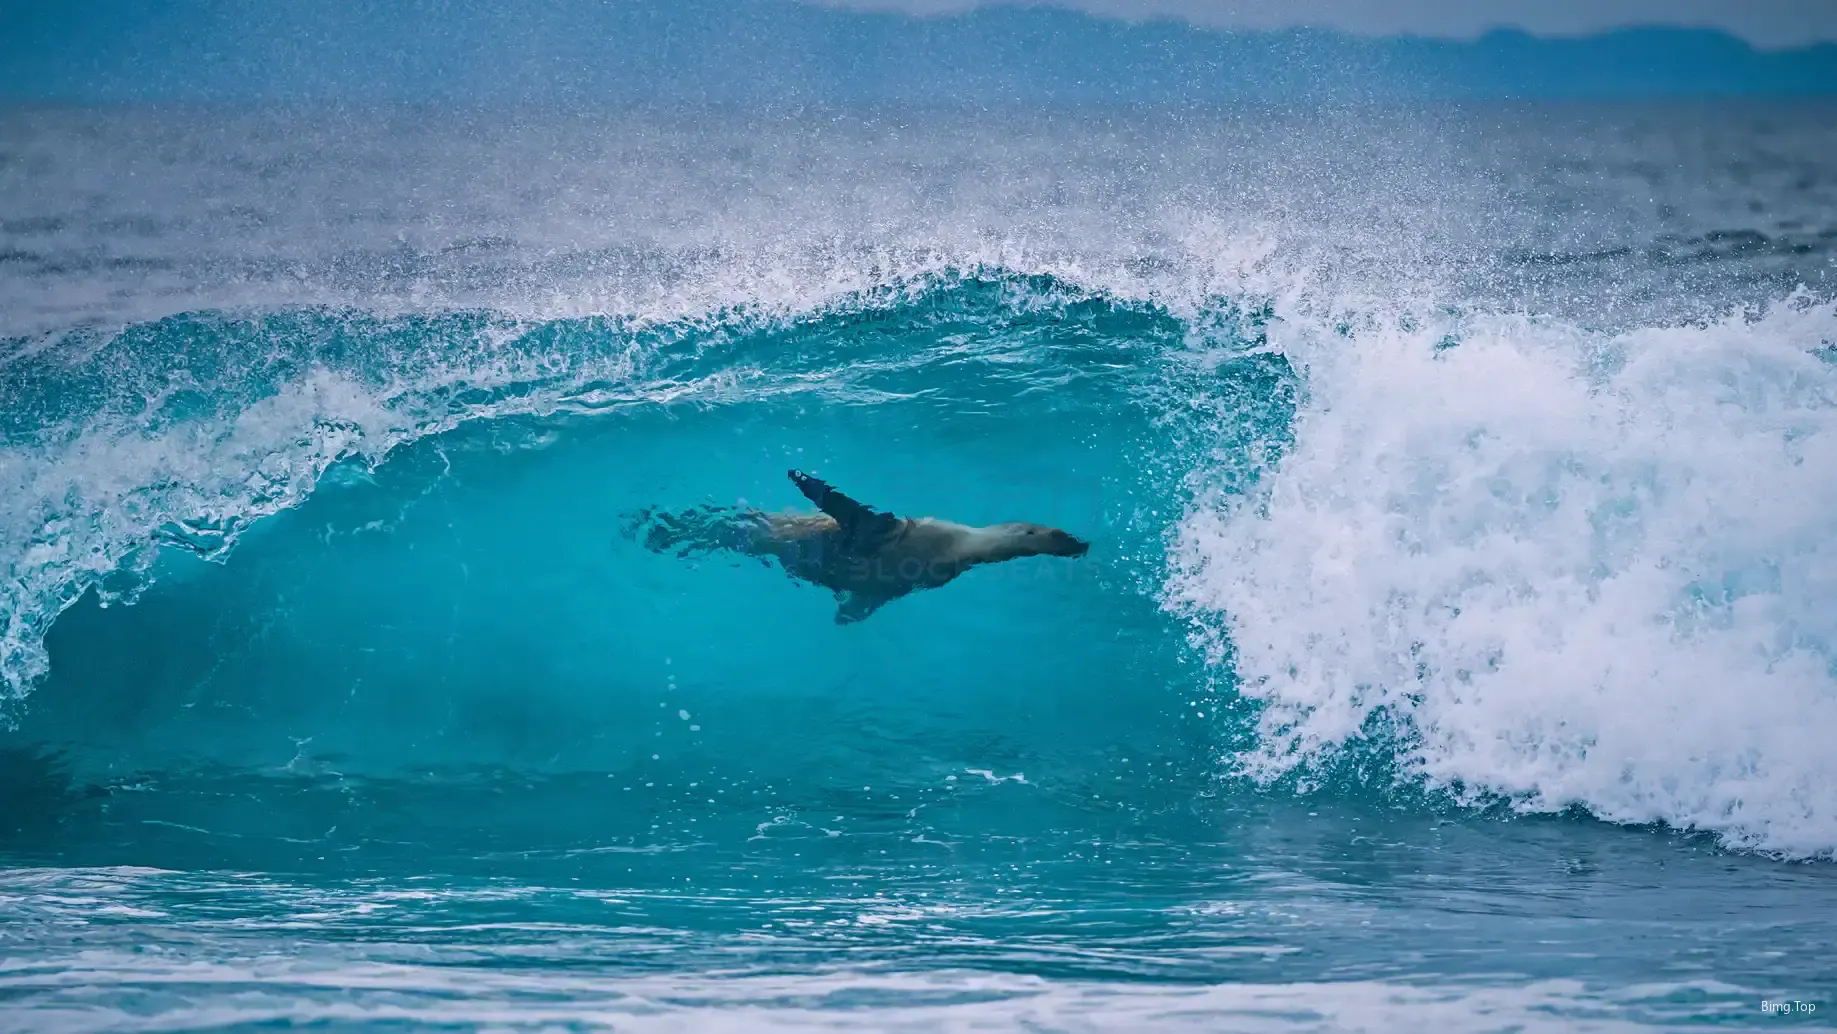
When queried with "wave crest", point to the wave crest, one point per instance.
{"points": [[1563, 568]]}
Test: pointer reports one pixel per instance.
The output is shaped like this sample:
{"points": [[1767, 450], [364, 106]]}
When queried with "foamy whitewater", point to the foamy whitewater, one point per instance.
{"points": [[1567, 568], [1458, 646]]}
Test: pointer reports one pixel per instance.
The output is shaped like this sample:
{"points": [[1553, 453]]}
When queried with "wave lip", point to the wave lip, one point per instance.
{"points": [[1556, 567]]}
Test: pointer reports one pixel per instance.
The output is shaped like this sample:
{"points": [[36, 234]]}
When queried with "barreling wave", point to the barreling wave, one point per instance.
{"points": [[185, 431], [1519, 559]]}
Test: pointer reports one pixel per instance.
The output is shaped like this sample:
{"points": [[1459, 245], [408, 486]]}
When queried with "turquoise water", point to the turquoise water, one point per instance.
{"points": [[1434, 662]]}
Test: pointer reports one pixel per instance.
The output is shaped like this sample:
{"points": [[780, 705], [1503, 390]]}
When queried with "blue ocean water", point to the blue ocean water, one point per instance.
{"points": [[1455, 648]]}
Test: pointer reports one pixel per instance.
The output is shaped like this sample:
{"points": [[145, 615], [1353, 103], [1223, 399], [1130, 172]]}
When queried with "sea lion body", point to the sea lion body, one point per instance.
{"points": [[867, 558], [920, 554]]}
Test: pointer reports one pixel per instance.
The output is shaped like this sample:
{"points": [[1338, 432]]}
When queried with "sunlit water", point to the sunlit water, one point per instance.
{"points": [[1455, 650]]}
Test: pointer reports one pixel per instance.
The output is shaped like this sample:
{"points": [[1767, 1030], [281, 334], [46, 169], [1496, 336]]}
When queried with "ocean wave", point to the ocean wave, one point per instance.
{"points": [[186, 431], [1516, 558], [1550, 566]]}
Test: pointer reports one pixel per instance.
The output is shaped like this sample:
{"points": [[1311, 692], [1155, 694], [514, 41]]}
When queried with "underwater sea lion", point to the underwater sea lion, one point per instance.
{"points": [[866, 557]]}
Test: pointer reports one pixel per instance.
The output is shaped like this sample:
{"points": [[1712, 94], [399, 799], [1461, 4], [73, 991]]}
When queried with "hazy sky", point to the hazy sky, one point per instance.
{"points": [[1767, 23]]}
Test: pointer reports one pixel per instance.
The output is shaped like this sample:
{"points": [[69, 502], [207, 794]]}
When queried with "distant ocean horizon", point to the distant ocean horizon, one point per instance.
{"points": [[751, 52]]}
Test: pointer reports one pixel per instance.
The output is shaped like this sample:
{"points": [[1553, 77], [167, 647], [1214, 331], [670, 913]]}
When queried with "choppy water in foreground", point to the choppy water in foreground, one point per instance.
{"points": [[1455, 650]]}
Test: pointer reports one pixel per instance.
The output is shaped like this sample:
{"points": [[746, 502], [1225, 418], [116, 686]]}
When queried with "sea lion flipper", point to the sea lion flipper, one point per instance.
{"points": [[854, 606], [846, 511], [859, 523]]}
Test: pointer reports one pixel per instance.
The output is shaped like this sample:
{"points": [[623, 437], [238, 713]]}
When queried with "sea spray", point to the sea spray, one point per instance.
{"points": [[1573, 568]]}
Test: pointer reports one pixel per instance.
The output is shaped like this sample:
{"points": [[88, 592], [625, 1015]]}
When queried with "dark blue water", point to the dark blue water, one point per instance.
{"points": [[1455, 647]]}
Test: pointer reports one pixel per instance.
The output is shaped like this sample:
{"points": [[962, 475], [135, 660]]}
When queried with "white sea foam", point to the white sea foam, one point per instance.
{"points": [[1576, 569], [941, 1002]]}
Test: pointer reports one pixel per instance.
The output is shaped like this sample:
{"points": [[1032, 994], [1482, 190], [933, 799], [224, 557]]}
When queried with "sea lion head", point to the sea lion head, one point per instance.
{"points": [[1020, 539]]}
